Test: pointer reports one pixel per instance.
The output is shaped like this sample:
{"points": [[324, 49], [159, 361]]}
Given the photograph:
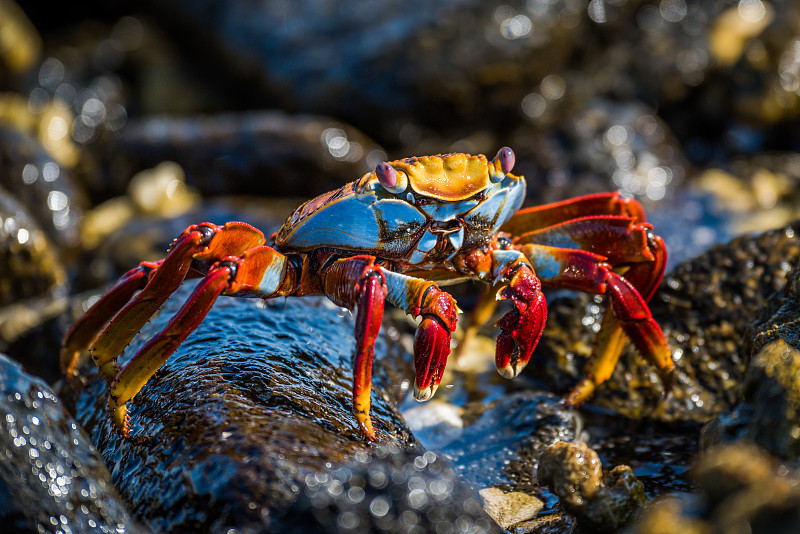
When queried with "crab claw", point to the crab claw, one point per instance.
{"points": [[439, 314], [431, 349], [521, 327]]}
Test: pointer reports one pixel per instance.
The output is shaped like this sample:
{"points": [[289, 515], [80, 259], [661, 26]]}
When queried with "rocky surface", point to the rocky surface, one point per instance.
{"points": [[769, 415], [692, 107], [601, 503], [252, 415], [739, 487], [51, 478]]}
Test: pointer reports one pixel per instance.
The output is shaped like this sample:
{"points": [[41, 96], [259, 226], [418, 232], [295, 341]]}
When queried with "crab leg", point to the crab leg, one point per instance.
{"points": [[259, 271], [618, 239], [81, 334], [356, 282], [536, 217], [585, 271], [201, 242]]}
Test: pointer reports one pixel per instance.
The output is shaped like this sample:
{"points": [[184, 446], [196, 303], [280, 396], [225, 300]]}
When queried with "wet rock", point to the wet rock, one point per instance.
{"points": [[51, 477], [704, 307], [389, 490], [509, 509], [601, 503], [741, 488], [267, 153], [256, 401], [626, 142], [499, 442], [761, 191], [770, 412], [160, 192], [33, 287], [393, 59]]}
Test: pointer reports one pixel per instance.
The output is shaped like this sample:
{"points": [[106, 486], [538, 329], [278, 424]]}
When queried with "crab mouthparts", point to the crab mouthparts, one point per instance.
{"points": [[435, 240]]}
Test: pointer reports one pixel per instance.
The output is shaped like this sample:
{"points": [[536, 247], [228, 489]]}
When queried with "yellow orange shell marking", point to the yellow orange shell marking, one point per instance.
{"points": [[450, 177]]}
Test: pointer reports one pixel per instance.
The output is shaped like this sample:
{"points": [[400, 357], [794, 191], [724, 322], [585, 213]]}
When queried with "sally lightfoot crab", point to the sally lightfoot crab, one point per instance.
{"points": [[391, 236]]}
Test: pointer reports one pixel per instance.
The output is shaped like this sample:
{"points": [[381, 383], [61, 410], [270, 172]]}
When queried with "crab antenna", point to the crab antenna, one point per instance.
{"points": [[507, 159], [386, 174]]}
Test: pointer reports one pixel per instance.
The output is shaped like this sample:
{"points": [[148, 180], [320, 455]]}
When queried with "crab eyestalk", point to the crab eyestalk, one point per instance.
{"points": [[502, 163], [391, 179]]}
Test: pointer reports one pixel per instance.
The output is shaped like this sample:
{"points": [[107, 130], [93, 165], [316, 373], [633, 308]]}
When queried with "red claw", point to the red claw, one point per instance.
{"points": [[521, 327], [431, 349]]}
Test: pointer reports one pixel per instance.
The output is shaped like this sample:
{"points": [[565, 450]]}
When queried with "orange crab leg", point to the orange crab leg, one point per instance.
{"points": [[232, 275], [81, 334], [535, 217], [155, 352], [202, 242]]}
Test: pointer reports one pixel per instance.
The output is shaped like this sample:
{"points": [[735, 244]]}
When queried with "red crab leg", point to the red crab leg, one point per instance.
{"points": [[584, 271], [536, 217], [618, 239], [234, 275], [356, 282], [202, 242], [81, 334], [644, 278]]}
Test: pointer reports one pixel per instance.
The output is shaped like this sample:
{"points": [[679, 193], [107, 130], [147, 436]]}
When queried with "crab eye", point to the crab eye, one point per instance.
{"points": [[506, 158], [390, 179]]}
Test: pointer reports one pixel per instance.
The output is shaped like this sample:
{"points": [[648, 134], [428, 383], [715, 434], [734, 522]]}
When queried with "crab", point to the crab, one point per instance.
{"points": [[396, 235]]}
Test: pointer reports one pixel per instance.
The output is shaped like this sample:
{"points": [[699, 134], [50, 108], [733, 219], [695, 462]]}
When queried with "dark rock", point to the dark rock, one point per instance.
{"points": [[389, 490], [29, 265], [267, 153], [740, 488], [51, 477], [500, 442], [770, 412], [46, 188], [256, 401], [600, 503]]}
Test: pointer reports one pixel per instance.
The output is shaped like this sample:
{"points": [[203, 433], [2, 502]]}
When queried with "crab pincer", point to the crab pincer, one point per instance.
{"points": [[522, 327], [432, 341]]}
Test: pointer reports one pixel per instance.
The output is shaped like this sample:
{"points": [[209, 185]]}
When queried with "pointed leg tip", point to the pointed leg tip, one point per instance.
{"points": [[365, 423], [507, 371], [579, 394], [69, 366], [120, 421], [424, 394]]}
